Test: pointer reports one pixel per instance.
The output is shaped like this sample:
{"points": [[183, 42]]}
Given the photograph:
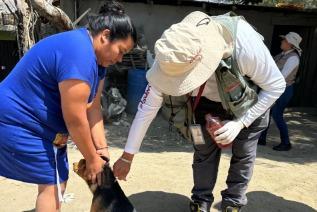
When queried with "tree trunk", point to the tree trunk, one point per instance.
{"points": [[26, 17], [53, 14], [24, 21]]}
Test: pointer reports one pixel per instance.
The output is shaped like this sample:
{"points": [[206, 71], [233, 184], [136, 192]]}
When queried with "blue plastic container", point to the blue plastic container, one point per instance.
{"points": [[136, 87]]}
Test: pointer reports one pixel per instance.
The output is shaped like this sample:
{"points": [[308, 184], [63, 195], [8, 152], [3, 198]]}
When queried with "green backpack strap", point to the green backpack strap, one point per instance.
{"points": [[223, 67]]}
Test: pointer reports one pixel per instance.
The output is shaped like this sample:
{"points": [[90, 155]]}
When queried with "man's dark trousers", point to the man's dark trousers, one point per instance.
{"points": [[207, 157]]}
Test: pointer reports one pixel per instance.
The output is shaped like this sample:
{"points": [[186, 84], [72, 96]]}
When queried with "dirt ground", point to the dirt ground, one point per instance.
{"points": [[161, 176]]}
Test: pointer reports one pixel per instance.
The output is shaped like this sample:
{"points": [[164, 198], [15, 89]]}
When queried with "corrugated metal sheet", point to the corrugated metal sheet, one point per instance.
{"points": [[3, 7], [7, 21]]}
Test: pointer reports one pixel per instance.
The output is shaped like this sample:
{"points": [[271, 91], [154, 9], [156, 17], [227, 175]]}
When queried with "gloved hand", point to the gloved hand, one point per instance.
{"points": [[226, 134]]}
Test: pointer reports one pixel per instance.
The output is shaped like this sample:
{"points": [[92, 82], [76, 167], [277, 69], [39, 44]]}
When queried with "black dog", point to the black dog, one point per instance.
{"points": [[107, 197]]}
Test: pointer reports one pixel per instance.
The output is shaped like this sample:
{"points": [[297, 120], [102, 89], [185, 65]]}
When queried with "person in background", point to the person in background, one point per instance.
{"points": [[187, 55], [288, 62], [53, 92]]}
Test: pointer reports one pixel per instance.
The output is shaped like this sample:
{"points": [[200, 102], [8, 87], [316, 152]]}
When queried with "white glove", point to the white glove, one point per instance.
{"points": [[227, 133]]}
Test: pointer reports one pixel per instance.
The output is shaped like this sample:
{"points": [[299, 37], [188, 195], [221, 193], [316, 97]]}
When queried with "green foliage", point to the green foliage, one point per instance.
{"points": [[307, 3], [310, 3], [249, 1]]}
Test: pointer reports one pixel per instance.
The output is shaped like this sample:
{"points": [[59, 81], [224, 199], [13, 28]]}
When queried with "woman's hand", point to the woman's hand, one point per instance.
{"points": [[122, 166], [94, 169]]}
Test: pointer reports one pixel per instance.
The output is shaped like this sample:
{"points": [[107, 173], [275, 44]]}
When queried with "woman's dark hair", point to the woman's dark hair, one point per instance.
{"points": [[112, 17]]}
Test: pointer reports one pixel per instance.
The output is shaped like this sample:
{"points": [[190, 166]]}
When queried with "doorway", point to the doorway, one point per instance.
{"points": [[8, 57]]}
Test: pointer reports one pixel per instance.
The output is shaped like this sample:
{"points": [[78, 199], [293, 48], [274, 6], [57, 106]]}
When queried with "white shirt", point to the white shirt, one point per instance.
{"points": [[254, 61]]}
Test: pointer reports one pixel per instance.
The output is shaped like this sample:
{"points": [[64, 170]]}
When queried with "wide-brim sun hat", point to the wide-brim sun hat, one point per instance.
{"points": [[294, 39], [187, 54]]}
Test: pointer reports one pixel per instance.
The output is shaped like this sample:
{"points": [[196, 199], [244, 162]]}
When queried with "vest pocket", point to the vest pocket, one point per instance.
{"points": [[245, 102]]}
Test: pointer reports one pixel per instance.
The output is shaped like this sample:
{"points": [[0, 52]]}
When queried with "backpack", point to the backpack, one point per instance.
{"points": [[178, 111]]}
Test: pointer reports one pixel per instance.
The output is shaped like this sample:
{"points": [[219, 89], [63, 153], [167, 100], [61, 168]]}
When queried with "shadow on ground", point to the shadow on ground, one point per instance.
{"points": [[302, 124], [158, 201], [261, 201], [158, 137]]}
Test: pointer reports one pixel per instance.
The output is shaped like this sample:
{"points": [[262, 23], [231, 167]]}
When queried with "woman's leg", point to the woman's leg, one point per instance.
{"points": [[47, 198], [278, 114]]}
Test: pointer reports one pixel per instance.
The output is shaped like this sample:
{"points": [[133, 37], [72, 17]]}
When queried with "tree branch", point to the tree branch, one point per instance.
{"points": [[55, 15]]}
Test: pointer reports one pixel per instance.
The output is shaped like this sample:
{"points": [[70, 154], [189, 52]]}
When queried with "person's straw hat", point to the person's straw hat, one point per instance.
{"points": [[294, 39], [187, 54]]}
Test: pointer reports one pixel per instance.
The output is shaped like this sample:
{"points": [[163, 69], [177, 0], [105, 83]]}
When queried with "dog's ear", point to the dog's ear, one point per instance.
{"points": [[82, 163], [105, 158], [107, 177], [79, 167]]}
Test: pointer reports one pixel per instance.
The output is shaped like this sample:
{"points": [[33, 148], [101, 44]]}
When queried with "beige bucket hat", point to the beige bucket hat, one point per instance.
{"points": [[294, 39], [187, 54]]}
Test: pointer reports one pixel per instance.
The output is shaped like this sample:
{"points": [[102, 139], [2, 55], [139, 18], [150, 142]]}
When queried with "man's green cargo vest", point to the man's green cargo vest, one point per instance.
{"points": [[237, 93]]}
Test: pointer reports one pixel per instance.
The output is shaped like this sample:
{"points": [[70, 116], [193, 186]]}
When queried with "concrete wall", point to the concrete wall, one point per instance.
{"points": [[69, 7], [152, 20]]}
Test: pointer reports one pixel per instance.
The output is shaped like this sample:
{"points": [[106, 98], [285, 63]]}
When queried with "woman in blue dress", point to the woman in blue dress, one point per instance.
{"points": [[54, 91]]}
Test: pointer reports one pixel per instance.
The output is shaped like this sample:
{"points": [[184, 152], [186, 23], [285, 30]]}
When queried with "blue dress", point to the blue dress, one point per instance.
{"points": [[30, 108]]}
